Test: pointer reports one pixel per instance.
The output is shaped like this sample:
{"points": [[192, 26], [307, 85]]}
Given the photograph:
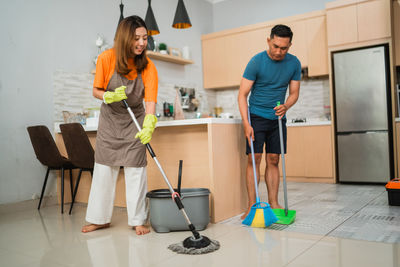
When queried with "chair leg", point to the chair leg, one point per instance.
{"points": [[44, 187], [62, 190], [75, 191], [70, 182]]}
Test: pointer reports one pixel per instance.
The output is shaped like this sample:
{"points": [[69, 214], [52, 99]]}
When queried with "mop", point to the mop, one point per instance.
{"points": [[195, 244], [285, 216], [260, 214]]}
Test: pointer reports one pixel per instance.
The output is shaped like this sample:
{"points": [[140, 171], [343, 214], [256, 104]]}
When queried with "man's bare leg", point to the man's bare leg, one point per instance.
{"points": [[272, 179], [251, 191], [94, 227], [141, 229]]}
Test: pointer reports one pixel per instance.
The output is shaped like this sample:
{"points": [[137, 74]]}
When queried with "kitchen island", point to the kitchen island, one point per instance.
{"points": [[213, 154]]}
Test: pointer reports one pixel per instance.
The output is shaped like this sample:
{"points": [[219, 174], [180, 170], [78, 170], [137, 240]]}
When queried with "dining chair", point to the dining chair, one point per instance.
{"points": [[48, 154], [80, 151]]}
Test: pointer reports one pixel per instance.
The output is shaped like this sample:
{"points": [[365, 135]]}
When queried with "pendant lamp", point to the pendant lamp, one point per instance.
{"points": [[121, 16], [181, 19], [150, 20]]}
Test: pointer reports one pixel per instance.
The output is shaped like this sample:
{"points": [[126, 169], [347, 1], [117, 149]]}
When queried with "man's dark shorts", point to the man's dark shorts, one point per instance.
{"points": [[266, 131]]}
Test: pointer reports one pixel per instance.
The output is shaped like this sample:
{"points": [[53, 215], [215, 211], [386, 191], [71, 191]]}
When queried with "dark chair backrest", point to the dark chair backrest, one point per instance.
{"points": [[79, 149], [44, 146]]}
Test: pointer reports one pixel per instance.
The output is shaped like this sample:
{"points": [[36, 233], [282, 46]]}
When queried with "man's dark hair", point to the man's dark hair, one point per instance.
{"points": [[281, 30]]}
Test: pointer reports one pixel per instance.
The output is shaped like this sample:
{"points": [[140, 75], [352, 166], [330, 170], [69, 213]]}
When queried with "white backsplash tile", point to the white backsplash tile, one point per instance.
{"points": [[314, 95], [73, 93]]}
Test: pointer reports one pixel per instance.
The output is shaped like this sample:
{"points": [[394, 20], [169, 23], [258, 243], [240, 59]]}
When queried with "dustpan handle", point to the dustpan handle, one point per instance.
{"points": [[283, 161]]}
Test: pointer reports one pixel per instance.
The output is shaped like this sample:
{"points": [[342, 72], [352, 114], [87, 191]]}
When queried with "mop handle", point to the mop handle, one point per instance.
{"points": [[149, 148], [176, 197], [253, 161], [283, 161]]}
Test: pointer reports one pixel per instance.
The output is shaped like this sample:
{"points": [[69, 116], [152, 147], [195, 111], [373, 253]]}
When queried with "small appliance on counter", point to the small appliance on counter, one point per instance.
{"points": [[168, 109]]}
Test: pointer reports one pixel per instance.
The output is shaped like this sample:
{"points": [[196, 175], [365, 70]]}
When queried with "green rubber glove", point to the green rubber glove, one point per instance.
{"points": [[149, 125], [116, 96]]}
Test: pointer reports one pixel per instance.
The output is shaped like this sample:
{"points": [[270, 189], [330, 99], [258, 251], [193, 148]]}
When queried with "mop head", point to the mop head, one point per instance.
{"points": [[194, 246], [283, 218], [260, 215]]}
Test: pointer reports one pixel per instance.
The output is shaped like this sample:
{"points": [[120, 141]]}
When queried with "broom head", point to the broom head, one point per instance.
{"points": [[260, 215]]}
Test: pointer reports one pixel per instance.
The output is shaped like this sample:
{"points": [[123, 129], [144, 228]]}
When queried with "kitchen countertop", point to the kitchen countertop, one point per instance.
{"points": [[164, 123]]}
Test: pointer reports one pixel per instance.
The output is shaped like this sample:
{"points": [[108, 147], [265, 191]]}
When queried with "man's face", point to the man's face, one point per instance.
{"points": [[278, 47]]}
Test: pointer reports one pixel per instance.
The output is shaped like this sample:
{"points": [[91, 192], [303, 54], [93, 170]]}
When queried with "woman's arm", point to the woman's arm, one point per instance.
{"points": [[150, 107], [98, 93]]}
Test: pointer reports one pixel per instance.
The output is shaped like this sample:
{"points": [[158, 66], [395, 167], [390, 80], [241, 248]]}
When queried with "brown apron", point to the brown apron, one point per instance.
{"points": [[116, 144]]}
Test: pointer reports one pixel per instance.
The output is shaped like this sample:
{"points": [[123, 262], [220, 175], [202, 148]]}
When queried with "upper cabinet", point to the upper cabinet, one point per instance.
{"points": [[317, 46], [225, 57], [355, 21], [396, 23]]}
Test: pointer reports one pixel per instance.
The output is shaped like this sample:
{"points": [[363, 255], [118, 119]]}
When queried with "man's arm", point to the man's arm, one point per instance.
{"points": [[244, 90], [294, 90]]}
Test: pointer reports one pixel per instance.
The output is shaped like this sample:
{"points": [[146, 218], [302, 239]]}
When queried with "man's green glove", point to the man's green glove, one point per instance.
{"points": [[149, 125], [116, 96]]}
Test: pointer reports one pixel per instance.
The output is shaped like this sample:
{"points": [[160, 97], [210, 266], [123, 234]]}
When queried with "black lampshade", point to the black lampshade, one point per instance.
{"points": [[121, 16], [150, 20], [181, 19]]}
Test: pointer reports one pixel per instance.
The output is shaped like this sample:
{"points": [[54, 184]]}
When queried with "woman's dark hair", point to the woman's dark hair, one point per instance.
{"points": [[281, 30], [124, 38]]}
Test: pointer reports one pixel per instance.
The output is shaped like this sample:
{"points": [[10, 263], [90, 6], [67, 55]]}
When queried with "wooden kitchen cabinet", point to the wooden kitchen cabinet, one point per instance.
{"points": [[317, 46], [299, 42], [215, 74], [396, 23], [357, 21], [318, 152], [341, 25], [225, 57], [373, 20], [309, 155]]}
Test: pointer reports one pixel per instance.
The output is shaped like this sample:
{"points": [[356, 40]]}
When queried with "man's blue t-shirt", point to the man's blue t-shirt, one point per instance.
{"points": [[271, 79]]}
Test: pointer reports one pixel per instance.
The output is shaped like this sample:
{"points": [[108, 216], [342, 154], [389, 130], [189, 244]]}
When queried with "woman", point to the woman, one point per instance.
{"points": [[123, 72]]}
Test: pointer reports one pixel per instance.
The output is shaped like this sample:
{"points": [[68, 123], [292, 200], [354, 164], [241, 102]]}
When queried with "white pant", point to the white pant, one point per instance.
{"points": [[102, 194]]}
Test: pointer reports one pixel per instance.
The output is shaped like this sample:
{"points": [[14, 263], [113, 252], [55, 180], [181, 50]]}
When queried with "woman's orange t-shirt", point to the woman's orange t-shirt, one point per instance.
{"points": [[105, 69]]}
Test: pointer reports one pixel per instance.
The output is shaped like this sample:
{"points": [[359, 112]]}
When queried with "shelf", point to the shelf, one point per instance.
{"points": [[168, 58]]}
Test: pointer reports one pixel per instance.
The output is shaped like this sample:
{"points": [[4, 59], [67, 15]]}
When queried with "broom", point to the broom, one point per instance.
{"points": [[261, 214]]}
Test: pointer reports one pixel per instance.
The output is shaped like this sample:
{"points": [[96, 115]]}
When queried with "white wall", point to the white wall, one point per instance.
{"points": [[43, 37]]}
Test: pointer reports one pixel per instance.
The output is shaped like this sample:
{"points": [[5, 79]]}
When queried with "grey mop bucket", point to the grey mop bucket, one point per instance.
{"points": [[165, 217]]}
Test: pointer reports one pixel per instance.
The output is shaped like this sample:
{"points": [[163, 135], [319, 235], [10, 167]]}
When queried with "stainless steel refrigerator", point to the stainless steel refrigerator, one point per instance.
{"points": [[363, 125]]}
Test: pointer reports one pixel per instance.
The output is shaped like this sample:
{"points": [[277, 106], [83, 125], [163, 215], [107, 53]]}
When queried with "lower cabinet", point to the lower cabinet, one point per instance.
{"points": [[309, 154]]}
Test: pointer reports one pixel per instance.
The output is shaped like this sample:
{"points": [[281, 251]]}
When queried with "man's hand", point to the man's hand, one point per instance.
{"points": [[249, 133], [116, 96], [149, 125], [280, 110]]}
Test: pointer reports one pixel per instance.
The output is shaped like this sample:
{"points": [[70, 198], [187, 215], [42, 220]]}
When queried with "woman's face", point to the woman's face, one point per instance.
{"points": [[140, 41]]}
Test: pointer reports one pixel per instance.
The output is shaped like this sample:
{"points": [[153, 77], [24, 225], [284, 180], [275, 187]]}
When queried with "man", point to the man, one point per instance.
{"points": [[267, 76]]}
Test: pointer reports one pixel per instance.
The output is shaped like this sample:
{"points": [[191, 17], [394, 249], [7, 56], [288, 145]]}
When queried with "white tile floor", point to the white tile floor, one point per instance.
{"points": [[333, 226]]}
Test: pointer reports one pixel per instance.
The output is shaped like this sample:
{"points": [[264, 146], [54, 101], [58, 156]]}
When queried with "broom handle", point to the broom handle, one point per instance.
{"points": [[283, 163], [253, 161]]}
